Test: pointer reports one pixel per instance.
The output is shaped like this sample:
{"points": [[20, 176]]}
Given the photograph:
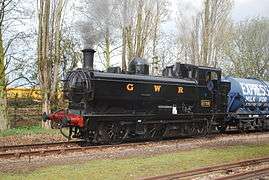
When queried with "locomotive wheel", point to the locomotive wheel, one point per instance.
{"points": [[155, 132], [120, 133], [202, 129], [194, 130], [111, 133], [105, 133]]}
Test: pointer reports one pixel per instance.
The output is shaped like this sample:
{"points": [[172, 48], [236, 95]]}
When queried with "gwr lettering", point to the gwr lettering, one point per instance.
{"points": [[157, 88], [180, 90], [130, 87]]}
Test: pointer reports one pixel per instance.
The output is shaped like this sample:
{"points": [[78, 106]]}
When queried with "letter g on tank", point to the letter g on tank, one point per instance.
{"points": [[130, 87]]}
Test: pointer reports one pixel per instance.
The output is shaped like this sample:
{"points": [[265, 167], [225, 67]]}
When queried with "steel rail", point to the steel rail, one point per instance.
{"points": [[37, 145], [46, 148], [247, 175], [206, 170], [61, 150]]}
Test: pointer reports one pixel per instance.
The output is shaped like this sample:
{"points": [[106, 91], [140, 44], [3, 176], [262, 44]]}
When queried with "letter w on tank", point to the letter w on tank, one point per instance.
{"points": [[157, 88]]}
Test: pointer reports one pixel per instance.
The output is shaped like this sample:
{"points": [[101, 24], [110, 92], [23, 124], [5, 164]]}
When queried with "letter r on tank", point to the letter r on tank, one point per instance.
{"points": [[130, 87], [180, 90]]}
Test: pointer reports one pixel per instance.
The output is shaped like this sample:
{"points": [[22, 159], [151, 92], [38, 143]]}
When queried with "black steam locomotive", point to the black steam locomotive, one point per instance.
{"points": [[115, 106]]}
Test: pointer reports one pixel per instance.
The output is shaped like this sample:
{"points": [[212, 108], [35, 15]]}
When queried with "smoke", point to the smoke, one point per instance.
{"points": [[89, 35]]}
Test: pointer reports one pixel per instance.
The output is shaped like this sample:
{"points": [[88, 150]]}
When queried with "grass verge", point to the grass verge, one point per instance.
{"points": [[132, 168], [27, 130]]}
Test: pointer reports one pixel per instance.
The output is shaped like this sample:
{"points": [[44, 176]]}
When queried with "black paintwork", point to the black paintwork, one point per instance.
{"points": [[94, 92], [185, 97]]}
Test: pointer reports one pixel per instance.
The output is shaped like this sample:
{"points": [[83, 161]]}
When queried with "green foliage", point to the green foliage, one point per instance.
{"points": [[133, 168], [29, 130]]}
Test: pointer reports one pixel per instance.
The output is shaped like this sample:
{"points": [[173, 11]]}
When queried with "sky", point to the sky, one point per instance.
{"points": [[250, 8], [242, 9]]}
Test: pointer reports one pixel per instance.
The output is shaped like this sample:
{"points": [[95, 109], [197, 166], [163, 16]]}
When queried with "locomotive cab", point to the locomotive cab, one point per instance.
{"points": [[206, 76], [211, 89], [210, 78]]}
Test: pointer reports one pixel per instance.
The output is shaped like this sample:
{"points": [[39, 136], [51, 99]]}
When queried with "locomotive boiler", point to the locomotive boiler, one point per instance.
{"points": [[114, 106]]}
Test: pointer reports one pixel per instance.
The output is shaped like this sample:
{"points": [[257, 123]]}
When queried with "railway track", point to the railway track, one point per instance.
{"points": [[37, 145], [43, 149], [35, 149], [248, 175], [73, 146], [225, 167]]}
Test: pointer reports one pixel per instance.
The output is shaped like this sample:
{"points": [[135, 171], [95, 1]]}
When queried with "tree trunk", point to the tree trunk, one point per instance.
{"points": [[155, 36], [107, 48], [129, 41], [57, 48], [206, 34], [4, 123], [138, 42], [43, 57], [123, 56], [47, 109], [49, 51]]}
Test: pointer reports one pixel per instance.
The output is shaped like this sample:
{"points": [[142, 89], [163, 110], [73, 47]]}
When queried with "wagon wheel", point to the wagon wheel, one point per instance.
{"points": [[222, 128], [242, 127]]}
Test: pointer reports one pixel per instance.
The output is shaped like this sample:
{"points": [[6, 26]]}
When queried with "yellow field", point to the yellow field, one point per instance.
{"points": [[13, 93]]}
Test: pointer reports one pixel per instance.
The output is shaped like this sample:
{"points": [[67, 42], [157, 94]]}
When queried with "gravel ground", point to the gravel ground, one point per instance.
{"points": [[151, 148], [30, 139]]}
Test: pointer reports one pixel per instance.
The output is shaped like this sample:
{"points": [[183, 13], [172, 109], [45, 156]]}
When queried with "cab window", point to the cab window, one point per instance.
{"points": [[214, 75]]}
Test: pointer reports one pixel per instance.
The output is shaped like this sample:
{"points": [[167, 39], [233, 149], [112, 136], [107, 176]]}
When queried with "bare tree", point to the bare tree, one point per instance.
{"points": [[247, 52], [215, 20], [124, 41], [3, 104], [48, 48], [142, 28], [204, 39], [156, 29], [11, 16], [165, 51]]}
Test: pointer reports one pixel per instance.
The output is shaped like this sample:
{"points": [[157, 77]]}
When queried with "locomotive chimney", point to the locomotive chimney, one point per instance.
{"points": [[88, 55]]}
